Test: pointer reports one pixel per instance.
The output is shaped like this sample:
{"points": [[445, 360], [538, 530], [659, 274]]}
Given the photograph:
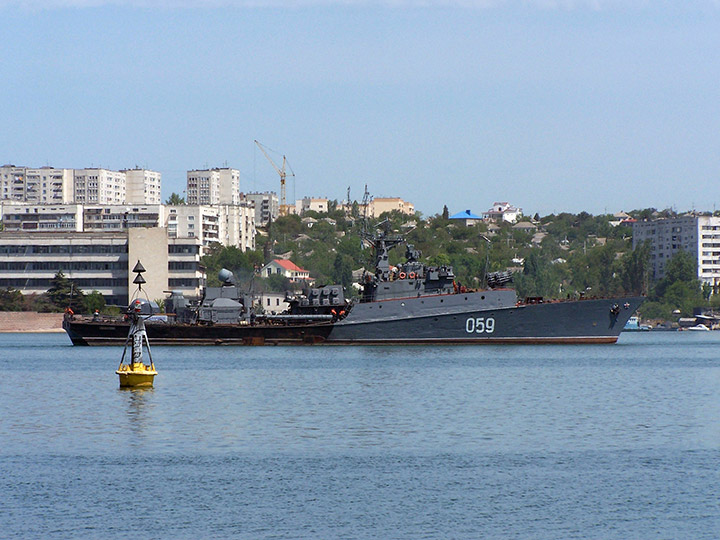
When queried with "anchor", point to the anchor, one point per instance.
{"points": [[135, 373]]}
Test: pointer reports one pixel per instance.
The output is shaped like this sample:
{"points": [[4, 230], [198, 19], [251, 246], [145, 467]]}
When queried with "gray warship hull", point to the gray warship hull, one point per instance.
{"points": [[483, 317]]}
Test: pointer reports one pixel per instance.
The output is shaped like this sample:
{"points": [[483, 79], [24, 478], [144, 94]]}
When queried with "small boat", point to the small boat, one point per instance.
{"points": [[698, 328], [633, 325]]}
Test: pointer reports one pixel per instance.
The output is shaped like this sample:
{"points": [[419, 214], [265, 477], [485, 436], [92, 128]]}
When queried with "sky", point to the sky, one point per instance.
{"points": [[551, 105]]}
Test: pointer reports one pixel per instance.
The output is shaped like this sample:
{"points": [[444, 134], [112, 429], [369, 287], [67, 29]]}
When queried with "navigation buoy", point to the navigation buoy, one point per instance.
{"points": [[136, 373]]}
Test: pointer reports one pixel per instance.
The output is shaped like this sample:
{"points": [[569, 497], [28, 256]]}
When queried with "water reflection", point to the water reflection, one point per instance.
{"points": [[137, 402]]}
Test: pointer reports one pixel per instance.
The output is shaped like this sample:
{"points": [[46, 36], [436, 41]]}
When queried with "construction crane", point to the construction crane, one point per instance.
{"points": [[282, 172]]}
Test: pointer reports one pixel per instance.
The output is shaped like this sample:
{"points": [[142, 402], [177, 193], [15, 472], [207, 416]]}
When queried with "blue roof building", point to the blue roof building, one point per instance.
{"points": [[467, 217]]}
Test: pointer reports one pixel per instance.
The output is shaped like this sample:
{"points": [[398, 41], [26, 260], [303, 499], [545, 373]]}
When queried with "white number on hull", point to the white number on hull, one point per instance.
{"points": [[480, 325]]}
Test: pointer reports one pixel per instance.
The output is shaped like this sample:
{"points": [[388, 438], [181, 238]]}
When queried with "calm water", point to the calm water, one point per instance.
{"points": [[619, 441]]}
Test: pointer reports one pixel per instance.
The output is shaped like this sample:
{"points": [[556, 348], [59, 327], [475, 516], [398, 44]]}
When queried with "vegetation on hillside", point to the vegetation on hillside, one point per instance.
{"points": [[565, 256]]}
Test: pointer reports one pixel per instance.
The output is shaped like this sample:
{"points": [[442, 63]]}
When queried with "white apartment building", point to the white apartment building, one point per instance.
{"points": [[230, 225], [41, 218], [101, 262], [142, 186], [213, 186], [79, 217], [118, 217], [99, 186], [45, 185], [266, 207], [697, 235]]}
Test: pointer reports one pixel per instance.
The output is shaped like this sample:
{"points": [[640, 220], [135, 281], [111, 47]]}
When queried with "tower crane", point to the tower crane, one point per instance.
{"points": [[282, 172]]}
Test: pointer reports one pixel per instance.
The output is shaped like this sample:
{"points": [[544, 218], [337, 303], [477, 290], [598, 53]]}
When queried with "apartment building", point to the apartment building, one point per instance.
{"points": [[213, 186], [266, 205], [45, 185], [41, 218], [142, 186], [99, 186], [230, 225], [697, 235]]}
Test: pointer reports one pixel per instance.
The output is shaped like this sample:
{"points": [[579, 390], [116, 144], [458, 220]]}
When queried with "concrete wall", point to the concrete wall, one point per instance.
{"points": [[150, 247]]}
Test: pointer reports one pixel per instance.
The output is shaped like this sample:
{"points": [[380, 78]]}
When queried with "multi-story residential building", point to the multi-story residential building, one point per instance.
{"points": [[231, 225], [237, 226], [79, 217], [697, 235], [102, 262], [266, 207], [213, 186], [41, 218], [99, 186], [142, 186], [45, 185], [118, 217], [12, 183], [380, 205]]}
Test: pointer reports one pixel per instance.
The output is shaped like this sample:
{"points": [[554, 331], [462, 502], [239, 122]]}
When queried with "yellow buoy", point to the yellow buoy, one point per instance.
{"points": [[137, 374]]}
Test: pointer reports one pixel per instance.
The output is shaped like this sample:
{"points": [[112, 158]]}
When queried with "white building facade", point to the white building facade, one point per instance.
{"points": [[267, 207], [142, 186], [45, 185], [101, 262], [697, 235], [213, 186], [99, 186]]}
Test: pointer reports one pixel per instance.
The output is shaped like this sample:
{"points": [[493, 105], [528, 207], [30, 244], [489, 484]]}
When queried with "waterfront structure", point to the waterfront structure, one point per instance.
{"points": [[101, 261], [142, 186], [266, 205], [213, 186], [45, 185], [503, 211], [697, 235]]}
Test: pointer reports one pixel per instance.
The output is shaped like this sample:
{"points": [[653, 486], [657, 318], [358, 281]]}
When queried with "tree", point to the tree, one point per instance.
{"points": [[681, 267], [63, 293], [93, 301], [175, 199], [445, 212], [11, 300], [342, 270]]}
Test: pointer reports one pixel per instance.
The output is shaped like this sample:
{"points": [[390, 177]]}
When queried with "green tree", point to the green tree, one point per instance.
{"points": [[342, 270], [93, 301], [175, 200], [63, 293], [11, 300], [445, 212]]}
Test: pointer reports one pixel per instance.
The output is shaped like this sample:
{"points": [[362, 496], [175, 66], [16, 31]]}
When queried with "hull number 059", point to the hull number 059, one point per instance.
{"points": [[480, 325]]}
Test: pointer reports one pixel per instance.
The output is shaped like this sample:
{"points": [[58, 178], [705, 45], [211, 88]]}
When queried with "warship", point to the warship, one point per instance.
{"points": [[411, 303]]}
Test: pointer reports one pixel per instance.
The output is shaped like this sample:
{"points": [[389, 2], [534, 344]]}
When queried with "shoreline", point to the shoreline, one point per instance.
{"points": [[30, 322]]}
